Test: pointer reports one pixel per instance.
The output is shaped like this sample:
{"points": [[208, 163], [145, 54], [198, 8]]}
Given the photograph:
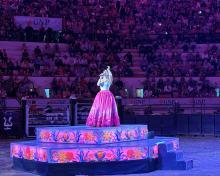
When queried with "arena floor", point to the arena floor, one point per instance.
{"points": [[205, 152]]}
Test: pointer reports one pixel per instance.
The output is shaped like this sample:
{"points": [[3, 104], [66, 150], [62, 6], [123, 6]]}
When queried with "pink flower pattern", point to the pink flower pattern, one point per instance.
{"points": [[97, 155], [83, 136], [29, 152]]}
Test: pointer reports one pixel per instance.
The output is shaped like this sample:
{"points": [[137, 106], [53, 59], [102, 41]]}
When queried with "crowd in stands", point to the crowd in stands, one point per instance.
{"points": [[85, 59], [183, 61], [19, 87], [14, 86], [96, 31], [99, 19], [183, 87], [82, 87]]}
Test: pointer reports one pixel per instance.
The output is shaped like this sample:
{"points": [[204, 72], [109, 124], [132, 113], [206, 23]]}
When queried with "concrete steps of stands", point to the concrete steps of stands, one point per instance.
{"points": [[11, 46], [134, 50], [136, 61]]}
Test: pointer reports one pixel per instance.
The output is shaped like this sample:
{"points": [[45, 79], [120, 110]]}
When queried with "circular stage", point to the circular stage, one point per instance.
{"points": [[86, 150]]}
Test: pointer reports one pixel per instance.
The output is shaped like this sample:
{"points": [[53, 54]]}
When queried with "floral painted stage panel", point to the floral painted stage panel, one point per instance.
{"points": [[68, 153], [92, 135]]}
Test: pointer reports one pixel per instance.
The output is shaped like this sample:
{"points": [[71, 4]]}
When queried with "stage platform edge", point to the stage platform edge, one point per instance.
{"points": [[132, 154]]}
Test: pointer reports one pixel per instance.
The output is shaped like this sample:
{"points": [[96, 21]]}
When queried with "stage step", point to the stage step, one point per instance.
{"points": [[179, 155], [171, 144], [175, 158], [184, 165]]}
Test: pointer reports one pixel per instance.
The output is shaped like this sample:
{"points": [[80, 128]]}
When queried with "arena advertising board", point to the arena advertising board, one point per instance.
{"points": [[82, 111], [38, 22], [46, 112]]}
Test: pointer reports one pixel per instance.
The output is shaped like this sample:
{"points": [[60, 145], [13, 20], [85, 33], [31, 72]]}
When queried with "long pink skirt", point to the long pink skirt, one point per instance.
{"points": [[104, 111]]}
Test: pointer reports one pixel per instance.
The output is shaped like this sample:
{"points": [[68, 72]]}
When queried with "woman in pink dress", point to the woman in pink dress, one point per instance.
{"points": [[104, 111]]}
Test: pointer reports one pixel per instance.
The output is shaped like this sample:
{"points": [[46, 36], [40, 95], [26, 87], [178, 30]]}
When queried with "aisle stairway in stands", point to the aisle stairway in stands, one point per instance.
{"points": [[136, 62]]}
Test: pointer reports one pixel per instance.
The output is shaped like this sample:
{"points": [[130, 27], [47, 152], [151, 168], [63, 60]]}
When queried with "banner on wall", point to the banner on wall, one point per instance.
{"points": [[37, 22], [11, 122], [171, 101]]}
